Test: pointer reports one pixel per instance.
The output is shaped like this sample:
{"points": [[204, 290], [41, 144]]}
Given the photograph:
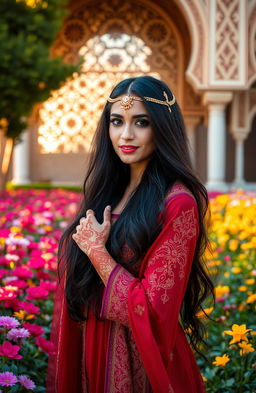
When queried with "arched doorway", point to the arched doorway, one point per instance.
{"points": [[147, 41]]}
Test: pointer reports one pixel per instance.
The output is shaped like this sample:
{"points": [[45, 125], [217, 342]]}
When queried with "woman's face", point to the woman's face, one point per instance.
{"points": [[131, 133]]}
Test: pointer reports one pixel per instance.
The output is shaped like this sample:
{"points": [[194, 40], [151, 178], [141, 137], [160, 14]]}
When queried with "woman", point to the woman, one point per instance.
{"points": [[132, 280]]}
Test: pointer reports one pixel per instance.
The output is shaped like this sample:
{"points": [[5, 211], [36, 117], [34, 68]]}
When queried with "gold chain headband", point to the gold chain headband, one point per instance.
{"points": [[127, 101]]}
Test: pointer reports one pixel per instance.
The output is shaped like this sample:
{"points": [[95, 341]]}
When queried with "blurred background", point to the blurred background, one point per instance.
{"points": [[203, 49]]}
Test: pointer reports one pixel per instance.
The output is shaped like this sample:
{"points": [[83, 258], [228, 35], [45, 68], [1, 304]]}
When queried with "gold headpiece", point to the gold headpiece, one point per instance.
{"points": [[127, 101]]}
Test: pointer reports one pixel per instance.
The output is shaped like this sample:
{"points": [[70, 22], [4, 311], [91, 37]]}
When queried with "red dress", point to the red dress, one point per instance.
{"points": [[140, 346]]}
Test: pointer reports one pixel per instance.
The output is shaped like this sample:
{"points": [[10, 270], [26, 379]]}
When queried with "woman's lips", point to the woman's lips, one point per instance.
{"points": [[128, 149]]}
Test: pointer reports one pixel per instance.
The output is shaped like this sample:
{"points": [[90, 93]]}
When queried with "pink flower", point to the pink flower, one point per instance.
{"points": [[26, 382], [8, 379], [9, 351], [36, 263], [29, 307], [37, 293], [227, 258], [22, 272], [220, 299], [18, 283], [9, 322], [34, 329], [15, 334], [45, 345], [48, 285], [7, 295]]}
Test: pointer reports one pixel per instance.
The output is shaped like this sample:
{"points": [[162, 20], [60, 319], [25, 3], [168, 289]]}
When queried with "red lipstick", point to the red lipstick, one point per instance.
{"points": [[128, 149]]}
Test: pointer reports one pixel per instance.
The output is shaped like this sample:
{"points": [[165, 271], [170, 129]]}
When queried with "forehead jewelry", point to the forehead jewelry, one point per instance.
{"points": [[126, 102]]}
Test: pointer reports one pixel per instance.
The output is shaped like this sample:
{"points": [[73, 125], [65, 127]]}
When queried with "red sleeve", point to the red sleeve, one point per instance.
{"points": [[150, 303]]}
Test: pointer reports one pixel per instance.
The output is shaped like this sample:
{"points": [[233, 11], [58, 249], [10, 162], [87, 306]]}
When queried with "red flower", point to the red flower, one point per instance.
{"points": [[37, 293], [45, 345], [33, 328], [10, 351]]}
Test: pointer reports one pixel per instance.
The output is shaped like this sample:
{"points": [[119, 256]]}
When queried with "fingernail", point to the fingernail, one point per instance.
{"points": [[109, 207]]}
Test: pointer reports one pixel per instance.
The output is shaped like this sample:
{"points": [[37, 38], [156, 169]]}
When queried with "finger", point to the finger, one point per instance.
{"points": [[90, 212], [107, 215], [82, 220], [74, 236]]}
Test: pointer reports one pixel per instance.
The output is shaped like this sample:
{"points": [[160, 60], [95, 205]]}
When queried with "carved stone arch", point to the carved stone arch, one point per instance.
{"points": [[252, 44], [195, 13], [150, 23]]}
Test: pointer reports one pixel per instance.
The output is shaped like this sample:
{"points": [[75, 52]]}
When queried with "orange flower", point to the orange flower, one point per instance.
{"points": [[221, 360], [239, 332], [251, 298], [246, 348]]}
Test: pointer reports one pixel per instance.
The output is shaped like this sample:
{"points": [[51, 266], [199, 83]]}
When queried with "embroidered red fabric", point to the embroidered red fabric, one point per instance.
{"points": [[142, 343]]}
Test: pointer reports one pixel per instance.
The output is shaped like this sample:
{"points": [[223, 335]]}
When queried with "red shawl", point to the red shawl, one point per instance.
{"points": [[142, 313]]}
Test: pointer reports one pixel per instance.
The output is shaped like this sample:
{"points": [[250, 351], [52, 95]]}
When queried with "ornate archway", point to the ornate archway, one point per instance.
{"points": [[145, 42]]}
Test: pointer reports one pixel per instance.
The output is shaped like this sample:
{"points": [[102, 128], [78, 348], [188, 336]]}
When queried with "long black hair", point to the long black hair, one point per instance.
{"points": [[138, 225]]}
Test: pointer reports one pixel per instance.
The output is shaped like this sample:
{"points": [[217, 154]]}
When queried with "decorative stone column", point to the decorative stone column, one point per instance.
{"points": [[216, 143], [239, 162], [191, 123], [21, 160]]}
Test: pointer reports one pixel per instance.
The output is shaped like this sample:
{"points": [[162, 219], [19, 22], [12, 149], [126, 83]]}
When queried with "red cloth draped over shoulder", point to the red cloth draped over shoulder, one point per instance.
{"points": [[149, 305]]}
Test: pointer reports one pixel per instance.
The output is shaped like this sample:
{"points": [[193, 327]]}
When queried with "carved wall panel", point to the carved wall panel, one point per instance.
{"points": [[252, 43], [228, 46]]}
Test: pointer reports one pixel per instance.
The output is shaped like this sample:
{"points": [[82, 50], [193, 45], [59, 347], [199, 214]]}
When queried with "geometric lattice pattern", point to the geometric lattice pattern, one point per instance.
{"points": [[69, 118], [227, 40]]}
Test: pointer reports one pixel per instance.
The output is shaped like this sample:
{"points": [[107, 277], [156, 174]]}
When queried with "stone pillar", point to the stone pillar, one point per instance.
{"points": [[216, 143], [21, 160], [191, 123]]}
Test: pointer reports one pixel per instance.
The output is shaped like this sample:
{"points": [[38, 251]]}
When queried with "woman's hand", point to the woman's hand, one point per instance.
{"points": [[90, 235]]}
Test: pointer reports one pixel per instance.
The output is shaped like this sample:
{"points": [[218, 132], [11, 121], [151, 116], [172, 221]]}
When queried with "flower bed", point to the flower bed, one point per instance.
{"points": [[31, 223], [232, 337]]}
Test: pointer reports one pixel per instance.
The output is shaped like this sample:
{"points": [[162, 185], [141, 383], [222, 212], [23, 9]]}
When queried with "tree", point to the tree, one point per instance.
{"points": [[28, 72]]}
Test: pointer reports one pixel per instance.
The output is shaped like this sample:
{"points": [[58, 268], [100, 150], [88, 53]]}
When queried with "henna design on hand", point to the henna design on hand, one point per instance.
{"points": [[91, 238]]}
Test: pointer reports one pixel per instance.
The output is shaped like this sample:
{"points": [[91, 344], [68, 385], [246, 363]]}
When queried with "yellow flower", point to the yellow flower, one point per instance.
{"points": [[226, 274], [246, 348], [239, 332], [201, 314], [221, 290], [233, 244], [242, 288], [15, 229], [250, 281], [221, 360], [251, 298], [23, 315], [236, 270]]}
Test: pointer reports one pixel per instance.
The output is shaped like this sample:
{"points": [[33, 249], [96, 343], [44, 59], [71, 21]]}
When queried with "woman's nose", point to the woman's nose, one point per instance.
{"points": [[127, 132]]}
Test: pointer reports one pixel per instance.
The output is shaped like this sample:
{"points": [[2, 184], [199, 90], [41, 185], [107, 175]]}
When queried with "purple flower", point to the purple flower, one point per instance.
{"points": [[26, 382], [8, 379], [15, 334], [9, 322]]}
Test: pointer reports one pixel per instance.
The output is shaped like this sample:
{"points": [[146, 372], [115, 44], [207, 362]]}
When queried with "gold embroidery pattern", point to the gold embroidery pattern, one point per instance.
{"points": [[127, 373], [139, 309], [117, 306], [173, 252]]}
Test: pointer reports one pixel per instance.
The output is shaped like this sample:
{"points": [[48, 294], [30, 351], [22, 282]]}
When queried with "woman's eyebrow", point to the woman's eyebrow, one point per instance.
{"points": [[134, 116]]}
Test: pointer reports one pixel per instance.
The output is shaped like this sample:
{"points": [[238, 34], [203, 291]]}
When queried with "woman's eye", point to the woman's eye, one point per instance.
{"points": [[116, 122], [142, 123]]}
